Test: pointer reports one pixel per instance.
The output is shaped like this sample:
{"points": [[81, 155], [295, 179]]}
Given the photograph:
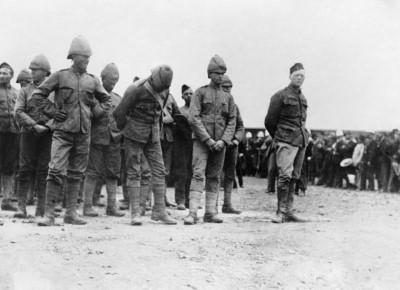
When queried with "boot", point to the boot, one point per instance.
{"points": [[169, 204], [290, 217], [159, 213], [194, 202], [72, 190], [111, 186], [227, 207], [31, 193], [124, 203], [53, 191], [7, 203], [90, 184], [282, 198], [144, 191], [210, 215], [181, 206], [23, 187], [41, 197], [97, 193], [134, 202]]}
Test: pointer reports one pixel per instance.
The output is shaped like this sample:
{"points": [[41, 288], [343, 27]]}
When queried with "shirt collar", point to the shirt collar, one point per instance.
{"points": [[214, 86], [297, 90]]}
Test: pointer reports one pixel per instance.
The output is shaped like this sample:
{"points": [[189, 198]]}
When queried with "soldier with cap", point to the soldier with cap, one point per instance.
{"points": [[231, 154], [35, 145], [183, 151], [139, 116], [78, 95], [105, 148], [8, 135], [285, 122], [212, 117], [24, 78]]}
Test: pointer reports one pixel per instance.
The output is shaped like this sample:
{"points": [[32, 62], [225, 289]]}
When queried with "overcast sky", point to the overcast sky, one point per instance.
{"points": [[350, 49]]}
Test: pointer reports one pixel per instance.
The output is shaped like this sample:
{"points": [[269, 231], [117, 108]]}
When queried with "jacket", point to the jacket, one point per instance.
{"points": [[79, 95], [170, 109], [212, 114], [139, 113], [286, 117], [239, 129], [8, 98]]}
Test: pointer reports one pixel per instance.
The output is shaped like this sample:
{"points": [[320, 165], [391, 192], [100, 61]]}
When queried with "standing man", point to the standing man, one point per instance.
{"points": [[170, 110], [105, 151], [35, 145], [212, 117], [183, 151], [9, 146], [231, 155], [138, 116], [285, 122], [77, 96]]}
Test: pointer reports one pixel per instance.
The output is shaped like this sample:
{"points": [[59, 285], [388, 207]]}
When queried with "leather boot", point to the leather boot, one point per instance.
{"points": [[41, 197], [290, 217], [144, 191], [53, 191], [210, 215], [90, 184], [134, 202], [72, 191], [111, 186], [194, 202], [159, 212], [227, 207], [97, 193], [168, 203], [7, 203], [282, 198], [23, 187]]}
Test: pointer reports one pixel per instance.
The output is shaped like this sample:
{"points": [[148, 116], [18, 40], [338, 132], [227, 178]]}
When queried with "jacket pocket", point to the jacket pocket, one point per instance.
{"points": [[225, 110], [67, 95], [291, 107], [88, 98]]}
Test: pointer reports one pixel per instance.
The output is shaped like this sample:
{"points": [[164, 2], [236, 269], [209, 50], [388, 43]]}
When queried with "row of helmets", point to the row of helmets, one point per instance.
{"points": [[260, 134]]}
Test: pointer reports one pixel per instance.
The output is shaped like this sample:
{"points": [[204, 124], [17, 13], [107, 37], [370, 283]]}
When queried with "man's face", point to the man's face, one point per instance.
{"points": [[216, 77], [187, 96], [110, 82], [227, 88], [297, 78], [23, 83], [396, 136], [81, 61], [5, 76], [38, 75]]}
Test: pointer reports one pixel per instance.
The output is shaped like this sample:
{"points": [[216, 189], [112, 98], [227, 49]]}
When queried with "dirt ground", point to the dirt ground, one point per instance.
{"points": [[353, 242]]}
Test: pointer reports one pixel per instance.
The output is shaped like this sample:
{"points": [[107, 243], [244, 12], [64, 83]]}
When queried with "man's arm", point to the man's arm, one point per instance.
{"points": [[102, 104], [20, 107], [230, 126], [271, 120], [239, 133], [194, 117], [121, 111]]}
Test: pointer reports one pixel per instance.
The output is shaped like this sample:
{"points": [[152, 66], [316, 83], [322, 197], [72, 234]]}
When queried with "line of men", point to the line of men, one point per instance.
{"points": [[71, 128]]}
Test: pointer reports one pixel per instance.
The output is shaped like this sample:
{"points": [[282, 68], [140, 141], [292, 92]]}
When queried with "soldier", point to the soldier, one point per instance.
{"points": [[8, 135], [138, 116], [77, 96], [170, 110], [231, 154], [35, 146], [285, 122], [183, 152], [212, 117], [105, 148], [24, 78]]}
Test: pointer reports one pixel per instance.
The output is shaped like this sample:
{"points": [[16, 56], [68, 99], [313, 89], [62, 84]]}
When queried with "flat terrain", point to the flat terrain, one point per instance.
{"points": [[352, 242]]}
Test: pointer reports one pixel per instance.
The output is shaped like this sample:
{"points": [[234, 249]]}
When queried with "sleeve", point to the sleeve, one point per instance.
{"points": [[43, 91], [102, 104], [175, 108], [239, 132], [194, 117], [271, 120], [120, 113], [230, 125], [20, 111]]}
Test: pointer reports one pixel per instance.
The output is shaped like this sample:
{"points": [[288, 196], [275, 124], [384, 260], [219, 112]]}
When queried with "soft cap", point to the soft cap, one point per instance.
{"points": [[217, 65], [162, 77], [296, 67]]}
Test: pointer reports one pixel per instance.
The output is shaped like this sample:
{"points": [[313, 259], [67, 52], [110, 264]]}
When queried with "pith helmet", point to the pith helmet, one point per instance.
{"points": [[162, 77], [111, 71], [24, 75], [41, 62], [226, 81], [79, 45]]}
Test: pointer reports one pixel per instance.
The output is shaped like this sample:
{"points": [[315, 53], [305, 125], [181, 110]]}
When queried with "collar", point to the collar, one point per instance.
{"points": [[297, 90], [75, 71], [214, 86]]}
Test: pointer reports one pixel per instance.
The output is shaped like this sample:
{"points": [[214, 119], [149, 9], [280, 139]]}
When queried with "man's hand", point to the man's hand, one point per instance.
{"points": [[60, 116], [219, 145], [234, 144], [210, 143], [168, 120], [39, 129]]}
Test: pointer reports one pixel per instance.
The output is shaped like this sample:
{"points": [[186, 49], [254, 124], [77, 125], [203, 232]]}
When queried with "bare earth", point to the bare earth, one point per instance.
{"points": [[353, 242]]}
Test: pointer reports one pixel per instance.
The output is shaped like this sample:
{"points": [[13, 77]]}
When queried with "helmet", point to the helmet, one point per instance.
{"points": [[79, 45], [24, 75], [216, 64], [260, 134], [111, 70], [249, 135], [162, 77], [226, 81], [40, 62]]}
